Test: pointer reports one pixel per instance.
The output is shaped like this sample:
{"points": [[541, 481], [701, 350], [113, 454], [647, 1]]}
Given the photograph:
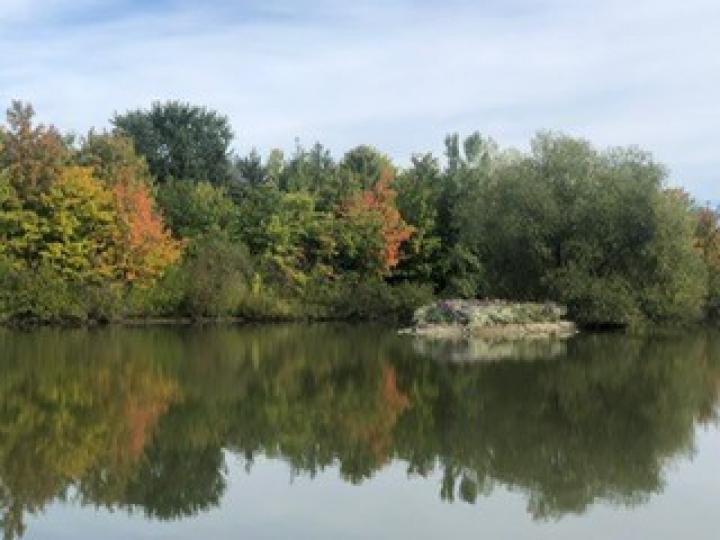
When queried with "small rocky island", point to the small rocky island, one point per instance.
{"points": [[496, 320]]}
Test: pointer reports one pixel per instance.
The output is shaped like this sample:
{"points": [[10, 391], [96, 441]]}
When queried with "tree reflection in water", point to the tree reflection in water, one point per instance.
{"points": [[139, 419]]}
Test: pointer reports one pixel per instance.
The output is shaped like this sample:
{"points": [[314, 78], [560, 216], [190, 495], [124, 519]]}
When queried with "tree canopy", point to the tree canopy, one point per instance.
{"points": [[128, 211], [180, 141]]}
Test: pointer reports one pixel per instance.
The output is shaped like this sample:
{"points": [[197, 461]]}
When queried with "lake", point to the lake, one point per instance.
{"points": [[338, 431]]}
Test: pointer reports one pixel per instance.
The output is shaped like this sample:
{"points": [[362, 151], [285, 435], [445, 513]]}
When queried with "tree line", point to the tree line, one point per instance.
{"points": [[158, 217]]}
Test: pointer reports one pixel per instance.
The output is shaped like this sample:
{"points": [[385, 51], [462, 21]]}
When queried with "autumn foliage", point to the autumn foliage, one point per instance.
{"points": [[160, 218], [78, 227], [31, 155], [146, 247], [374, 211]]}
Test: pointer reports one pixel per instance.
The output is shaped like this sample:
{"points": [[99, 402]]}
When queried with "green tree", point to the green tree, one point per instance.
{"points": [[419, 190], [218, 275], [193, 209], [250, 169], [113, 159], [596, 230], [180, 141], [314, 171], [300, 241], [364, 165], [708, 241], [461, 267]]}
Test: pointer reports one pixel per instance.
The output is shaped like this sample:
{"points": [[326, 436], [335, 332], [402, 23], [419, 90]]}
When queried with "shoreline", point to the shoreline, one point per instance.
{"points": [[540, 330], [176, 321]]}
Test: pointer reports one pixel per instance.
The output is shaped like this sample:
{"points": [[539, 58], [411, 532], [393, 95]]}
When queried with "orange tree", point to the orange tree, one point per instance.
{"points": [[371, 229], [145, 247]]}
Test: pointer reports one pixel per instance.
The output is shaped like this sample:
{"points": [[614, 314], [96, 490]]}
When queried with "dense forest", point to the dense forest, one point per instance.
{"points": [[158, 217]]}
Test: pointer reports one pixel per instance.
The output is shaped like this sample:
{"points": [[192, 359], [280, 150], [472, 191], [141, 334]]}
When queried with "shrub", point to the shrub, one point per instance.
{"points": [[165, 298], [218, 278], [365, 299], [598, 301], [40, 295]]}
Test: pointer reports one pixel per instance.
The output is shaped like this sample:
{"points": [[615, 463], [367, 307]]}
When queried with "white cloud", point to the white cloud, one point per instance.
{"points": [[399, 77]]}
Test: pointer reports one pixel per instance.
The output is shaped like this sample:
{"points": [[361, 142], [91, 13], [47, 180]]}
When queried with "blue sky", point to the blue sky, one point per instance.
{"points": [[397, 74]]}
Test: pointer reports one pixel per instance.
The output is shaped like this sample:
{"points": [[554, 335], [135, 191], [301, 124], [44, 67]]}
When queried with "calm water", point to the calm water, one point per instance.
{"points": [[353, 432]]}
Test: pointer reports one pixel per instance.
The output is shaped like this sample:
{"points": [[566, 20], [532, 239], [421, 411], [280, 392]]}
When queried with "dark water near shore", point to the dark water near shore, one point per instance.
{"points": [[353, 432]]}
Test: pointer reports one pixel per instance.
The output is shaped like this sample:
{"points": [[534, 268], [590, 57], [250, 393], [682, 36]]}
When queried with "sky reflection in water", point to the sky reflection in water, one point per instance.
{"points": [[337, 431]]}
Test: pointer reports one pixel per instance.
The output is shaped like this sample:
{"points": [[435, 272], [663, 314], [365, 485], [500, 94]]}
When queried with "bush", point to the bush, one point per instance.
{"points": [[266, 305], [165, 298], [218, 278], [713, 302], [365, 299], [40, 295], [5, 291], [103, 303], [597, 301]]}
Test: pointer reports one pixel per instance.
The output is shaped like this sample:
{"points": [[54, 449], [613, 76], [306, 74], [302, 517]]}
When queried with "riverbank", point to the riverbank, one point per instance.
{"points": [[131, 322]]}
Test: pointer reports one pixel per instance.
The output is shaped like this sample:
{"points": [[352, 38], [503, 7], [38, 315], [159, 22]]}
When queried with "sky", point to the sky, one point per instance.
{"points": [[397, 74]]}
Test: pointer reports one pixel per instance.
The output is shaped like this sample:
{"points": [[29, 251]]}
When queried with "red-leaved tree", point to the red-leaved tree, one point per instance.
{"points": [[374, 229]]}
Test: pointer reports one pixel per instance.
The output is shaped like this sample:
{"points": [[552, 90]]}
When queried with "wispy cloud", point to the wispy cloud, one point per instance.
{"points": [[397, 74]]}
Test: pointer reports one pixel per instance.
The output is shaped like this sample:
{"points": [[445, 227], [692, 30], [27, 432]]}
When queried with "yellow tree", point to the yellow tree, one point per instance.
{"points": [[144, 246], [78, 227]]}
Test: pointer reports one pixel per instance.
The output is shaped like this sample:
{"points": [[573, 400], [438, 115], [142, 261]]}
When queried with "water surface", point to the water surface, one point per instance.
{"points": [[333, 431]]}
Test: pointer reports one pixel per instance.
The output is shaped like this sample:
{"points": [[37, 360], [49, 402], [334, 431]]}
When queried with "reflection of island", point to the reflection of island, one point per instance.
{"points": [[138, 419], [475, 349]]}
